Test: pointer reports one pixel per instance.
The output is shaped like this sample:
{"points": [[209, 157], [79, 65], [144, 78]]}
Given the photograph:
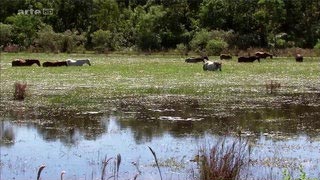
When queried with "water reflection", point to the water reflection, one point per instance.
{"points": [[172, 127], [178, 119]]}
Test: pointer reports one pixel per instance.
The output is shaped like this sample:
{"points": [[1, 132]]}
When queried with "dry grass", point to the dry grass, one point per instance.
{"points": [[224, 160], [20, 91], [272, 86]]}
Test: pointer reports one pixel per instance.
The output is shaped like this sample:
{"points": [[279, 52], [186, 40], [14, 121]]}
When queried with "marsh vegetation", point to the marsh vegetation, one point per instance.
{"points": [[74, 117]]}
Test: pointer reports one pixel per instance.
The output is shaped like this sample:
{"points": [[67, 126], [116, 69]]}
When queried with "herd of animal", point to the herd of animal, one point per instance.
{"points": [[213, 66], [68, 62], [207, 64]]}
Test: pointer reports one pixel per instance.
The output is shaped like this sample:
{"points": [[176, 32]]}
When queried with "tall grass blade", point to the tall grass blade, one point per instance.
{"points": [[104, 163], [39, 171], [155, 158]]}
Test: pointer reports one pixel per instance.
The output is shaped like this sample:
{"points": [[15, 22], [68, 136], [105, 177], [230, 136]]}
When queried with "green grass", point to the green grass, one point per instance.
{"points": [[120, 76]]}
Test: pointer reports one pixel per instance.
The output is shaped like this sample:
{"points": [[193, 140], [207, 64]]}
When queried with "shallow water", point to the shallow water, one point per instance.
{"points": [[283, 136]]}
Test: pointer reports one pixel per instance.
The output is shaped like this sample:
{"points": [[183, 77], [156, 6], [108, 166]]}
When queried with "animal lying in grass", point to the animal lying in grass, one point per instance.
{"points": [[225, 56], [212, 66], [263, 55], [78, 62], [248, 59], [196, 59], [27, 62], [299, 58], [54, 64]]}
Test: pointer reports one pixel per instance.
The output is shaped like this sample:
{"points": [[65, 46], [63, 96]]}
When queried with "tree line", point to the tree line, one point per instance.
{"points": [[158, 25]]}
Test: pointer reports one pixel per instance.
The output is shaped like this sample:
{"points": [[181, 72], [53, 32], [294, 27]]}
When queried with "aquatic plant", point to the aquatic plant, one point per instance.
{"points": [[19, 91], [155, 158], [104, 165], [224, 160], [303, 175], [39, 171]]}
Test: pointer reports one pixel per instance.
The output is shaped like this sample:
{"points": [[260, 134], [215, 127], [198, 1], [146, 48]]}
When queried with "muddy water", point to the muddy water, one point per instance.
{"points": [[285, 136]]}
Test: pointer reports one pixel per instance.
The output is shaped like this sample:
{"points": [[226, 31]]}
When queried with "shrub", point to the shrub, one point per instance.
{"points": [[24, 28], [215, 46], [102, 40], [48, 40], [200, 39], [317, 46], [182, 49], [5, 33], [71, 40]]}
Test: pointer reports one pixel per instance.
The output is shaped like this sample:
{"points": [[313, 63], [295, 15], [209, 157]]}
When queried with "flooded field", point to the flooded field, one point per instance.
{"points": [[286, 136], [74, 118]]}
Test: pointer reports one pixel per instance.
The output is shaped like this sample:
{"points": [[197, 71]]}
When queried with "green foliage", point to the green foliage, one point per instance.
{"points": [[72, 41], [161, 25], [182, 49], [47, 40], [148, 28], [200, 39], [303, 175], [25, 28], [215, 46], [5, 33], [317, 46], [102, 40], [106, 14], [213, 42]]}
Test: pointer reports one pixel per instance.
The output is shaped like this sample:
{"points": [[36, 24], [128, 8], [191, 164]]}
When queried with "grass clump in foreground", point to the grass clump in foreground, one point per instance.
{"points": [[224, 161]]}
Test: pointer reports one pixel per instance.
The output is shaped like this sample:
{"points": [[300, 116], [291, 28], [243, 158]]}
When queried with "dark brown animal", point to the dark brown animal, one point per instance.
{"points": [[27, 62], [225, 56], [248, 59], [299, 58], [54, 64], [197, 59], [263, 55]]}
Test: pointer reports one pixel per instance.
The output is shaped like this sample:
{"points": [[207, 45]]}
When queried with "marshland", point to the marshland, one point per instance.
{"points": [[72, 118]]}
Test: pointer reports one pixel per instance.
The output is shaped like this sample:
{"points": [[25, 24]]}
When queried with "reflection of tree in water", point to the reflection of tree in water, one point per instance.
{"points": [[191, 117], [67, 126]]}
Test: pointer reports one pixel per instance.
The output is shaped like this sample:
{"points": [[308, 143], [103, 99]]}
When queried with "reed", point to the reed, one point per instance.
{"points": [[224, 161], [272, 86], [156, 159], [20, 91]]}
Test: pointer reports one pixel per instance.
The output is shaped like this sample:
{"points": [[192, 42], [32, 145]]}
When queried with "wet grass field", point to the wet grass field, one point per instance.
{"points": [[72, 117], [115, 77]]}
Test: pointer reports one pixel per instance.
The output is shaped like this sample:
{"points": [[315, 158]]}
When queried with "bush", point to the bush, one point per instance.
{"points": [[317, 46], [25, 28], [200, 39], [102, 40], [215, 46], [72, 40], [5, 33], [47, 40], [182, 49]]}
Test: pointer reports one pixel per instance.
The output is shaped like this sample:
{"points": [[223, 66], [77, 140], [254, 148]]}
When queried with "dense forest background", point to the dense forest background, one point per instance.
{"points": [[158, 25]]}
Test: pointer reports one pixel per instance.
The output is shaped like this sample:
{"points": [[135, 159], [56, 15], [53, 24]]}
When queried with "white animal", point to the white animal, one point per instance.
{"points": [[212, 66]]}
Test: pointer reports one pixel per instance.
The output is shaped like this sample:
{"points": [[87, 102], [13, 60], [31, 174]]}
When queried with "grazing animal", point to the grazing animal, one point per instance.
{"points": [[248, 59], [27, 62], [299, 58], [54, 64], [78, 62], [263, 55], [225, 56], [211, 66], [197, 59]]}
